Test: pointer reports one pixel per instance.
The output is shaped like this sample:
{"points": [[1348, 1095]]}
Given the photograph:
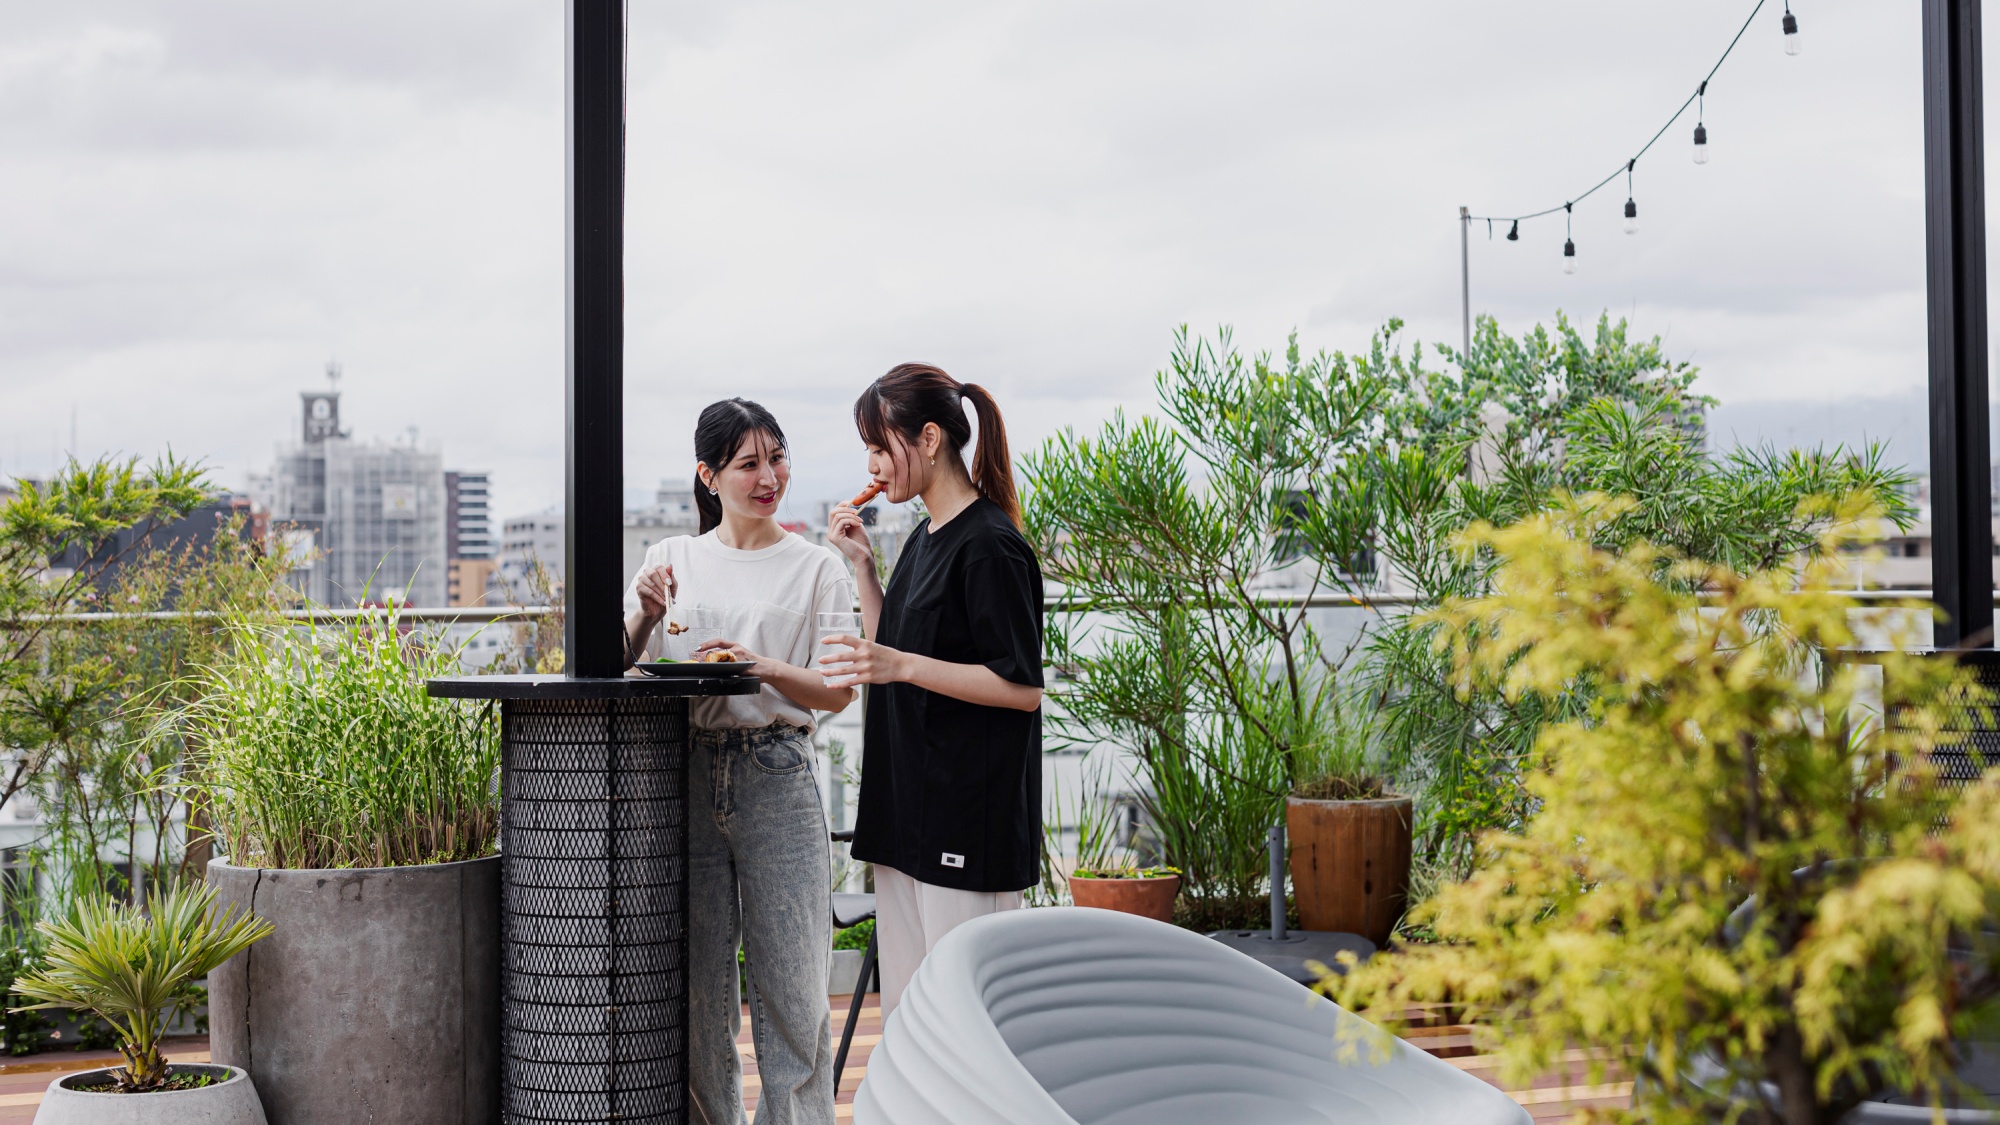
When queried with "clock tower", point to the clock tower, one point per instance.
{"points": [[322, 415]]}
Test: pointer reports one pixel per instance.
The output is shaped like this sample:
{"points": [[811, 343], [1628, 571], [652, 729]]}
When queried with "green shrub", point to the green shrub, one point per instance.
{"points": [[855, 936], [1726, 757]]}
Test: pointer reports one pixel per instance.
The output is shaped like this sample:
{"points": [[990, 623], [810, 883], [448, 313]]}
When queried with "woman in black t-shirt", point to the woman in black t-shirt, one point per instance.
{"points": [[951, 786]]}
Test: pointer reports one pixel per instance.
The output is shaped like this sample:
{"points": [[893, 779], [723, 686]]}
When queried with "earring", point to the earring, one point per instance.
{"points": [[713, 492], [933, 460]]}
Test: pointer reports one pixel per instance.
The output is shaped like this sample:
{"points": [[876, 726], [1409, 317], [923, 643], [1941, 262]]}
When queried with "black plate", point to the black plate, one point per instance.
{"points": [[696, 670]]}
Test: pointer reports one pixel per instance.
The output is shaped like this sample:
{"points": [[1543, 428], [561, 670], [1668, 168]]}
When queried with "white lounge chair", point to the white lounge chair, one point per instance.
{"points": [[1067, 1016]]}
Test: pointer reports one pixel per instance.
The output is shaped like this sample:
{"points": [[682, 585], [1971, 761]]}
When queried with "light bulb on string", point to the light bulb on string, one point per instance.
{"points": [[1631, 208], [1700, 129], [1791, 25], [1514, 232], [1569, 243]]}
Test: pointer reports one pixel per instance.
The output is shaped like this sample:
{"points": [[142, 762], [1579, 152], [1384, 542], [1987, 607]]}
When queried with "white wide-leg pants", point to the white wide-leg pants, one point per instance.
{"points": [[911, 917]]}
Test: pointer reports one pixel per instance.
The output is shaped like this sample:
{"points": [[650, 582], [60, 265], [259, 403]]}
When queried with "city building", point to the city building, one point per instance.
{"points": [[468, 522], [361, 520], [470, 582], [525, 541], [671, 513], [538, 537]]}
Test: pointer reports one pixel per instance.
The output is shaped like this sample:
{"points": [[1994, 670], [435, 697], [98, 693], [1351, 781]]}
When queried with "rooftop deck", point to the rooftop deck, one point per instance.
{"points": [[1553, 1098]]}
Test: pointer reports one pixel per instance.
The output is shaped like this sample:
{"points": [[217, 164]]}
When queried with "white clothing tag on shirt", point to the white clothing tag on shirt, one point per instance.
{"points": [[951, 860]]}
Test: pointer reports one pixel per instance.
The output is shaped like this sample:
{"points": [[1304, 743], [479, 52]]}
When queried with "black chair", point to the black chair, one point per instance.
{"points": [[852, 910]]}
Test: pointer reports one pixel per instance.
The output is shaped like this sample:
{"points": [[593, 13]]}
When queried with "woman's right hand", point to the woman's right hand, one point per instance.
{"points": [[849, 535], [656, 591]]}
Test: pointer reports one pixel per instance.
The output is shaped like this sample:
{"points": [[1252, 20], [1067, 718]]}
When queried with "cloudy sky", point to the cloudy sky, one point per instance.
{"points": [[203, 201]]}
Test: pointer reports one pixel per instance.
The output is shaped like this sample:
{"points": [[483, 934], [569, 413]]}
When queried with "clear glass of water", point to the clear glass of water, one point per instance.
{"points": [[837, 624]]}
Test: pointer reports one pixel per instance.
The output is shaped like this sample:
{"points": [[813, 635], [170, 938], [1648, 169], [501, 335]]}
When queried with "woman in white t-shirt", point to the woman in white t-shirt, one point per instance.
{"points": [[758, 866]]}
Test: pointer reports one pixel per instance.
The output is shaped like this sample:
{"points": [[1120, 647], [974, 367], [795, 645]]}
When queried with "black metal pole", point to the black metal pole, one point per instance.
{"points": [[594, 142], [594, 890], [1955, 230]]}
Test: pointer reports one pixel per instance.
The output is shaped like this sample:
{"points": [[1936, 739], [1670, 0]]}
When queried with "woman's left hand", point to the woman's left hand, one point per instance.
{"points": [[869, 663], [736, 652]]}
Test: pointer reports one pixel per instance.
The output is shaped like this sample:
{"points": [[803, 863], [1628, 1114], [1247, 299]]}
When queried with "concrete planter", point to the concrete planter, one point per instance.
{"points": [[1350, 864], [843, 968], [375, 999], [232, 1101], [1148, 898]]}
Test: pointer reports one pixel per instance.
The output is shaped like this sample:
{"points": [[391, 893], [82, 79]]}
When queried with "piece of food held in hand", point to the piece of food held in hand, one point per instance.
{"points": [[873, 490], [675, 628]]}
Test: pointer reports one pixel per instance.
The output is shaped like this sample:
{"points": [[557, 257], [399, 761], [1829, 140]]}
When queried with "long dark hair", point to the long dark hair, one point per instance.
{"points": [[912, 394], [718, 434]]}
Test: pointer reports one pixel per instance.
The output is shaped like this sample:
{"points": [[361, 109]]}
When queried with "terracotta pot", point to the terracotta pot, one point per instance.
{"points": [[1148, 898], [1350, 863]]}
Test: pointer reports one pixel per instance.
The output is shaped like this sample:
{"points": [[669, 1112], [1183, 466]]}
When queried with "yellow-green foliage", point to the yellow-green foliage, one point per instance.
{"points": [[132, 967], [1722, 757]]}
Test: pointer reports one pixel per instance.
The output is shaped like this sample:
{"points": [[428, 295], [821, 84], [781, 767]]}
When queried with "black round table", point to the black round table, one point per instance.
{"points": [[593, 959]]}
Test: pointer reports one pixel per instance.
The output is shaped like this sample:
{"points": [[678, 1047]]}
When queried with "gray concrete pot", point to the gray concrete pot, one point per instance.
{"points": [[376, 998], [232, 1101], [843, 968]]}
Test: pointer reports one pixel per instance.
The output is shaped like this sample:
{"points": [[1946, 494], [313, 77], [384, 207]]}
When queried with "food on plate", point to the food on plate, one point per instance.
{"points": [[873, 490], [718, 656]]}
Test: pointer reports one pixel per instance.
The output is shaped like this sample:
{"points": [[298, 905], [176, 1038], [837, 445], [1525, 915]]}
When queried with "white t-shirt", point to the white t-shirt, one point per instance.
{"points": [[764, 600]]}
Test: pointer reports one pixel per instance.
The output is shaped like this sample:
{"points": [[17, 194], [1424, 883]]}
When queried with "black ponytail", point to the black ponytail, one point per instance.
{"points": [[912, 394], [718, 434]]}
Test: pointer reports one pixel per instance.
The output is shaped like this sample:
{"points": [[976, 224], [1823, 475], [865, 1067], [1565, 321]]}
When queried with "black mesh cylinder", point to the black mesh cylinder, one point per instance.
{"points": [[594, 910]]}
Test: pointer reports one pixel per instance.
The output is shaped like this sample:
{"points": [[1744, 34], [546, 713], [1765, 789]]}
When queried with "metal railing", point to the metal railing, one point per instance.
{"points": [[317, 616], [476, 615]]}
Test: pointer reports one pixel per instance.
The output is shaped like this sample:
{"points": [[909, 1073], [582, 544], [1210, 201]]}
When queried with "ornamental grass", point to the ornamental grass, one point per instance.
{"points": [[319, 747]]}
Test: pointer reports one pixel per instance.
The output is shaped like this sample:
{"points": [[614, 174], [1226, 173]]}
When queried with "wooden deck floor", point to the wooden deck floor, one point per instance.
{"points": [[1552, 1098]]}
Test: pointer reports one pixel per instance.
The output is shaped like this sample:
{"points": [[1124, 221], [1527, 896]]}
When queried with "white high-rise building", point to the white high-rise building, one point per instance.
{"points": [[364, 520], [527, 540], [468, 531]]}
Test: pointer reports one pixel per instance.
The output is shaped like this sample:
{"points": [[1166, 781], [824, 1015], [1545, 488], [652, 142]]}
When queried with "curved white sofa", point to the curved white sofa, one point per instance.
{"points": [[1069, 1016]]}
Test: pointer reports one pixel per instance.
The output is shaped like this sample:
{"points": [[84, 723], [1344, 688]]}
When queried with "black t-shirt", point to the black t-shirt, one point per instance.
{"points": [[951, 792]]}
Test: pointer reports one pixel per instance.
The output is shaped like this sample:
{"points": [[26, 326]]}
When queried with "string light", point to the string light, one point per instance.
{"points": [[1700, 130], [1631, 208], [1698, 101]]}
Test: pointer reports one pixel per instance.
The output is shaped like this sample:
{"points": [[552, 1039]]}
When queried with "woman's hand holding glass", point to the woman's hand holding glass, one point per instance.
{"points": [[827, 626], [863, 661]]}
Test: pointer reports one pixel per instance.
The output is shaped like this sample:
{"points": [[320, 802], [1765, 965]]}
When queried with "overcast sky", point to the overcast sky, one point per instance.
{"points": [[203, 201]]}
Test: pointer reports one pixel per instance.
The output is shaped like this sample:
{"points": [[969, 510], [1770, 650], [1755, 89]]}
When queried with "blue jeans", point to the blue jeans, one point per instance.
{"points": [[759, 872]]}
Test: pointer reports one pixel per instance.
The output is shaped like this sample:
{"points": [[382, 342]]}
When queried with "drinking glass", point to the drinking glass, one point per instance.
{"points": [[836, 624]]}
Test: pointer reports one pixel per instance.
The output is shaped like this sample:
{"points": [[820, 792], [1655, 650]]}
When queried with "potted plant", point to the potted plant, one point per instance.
{"points": [[359, 816], [133, 968], [1349, 834], [1107, 874]]}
